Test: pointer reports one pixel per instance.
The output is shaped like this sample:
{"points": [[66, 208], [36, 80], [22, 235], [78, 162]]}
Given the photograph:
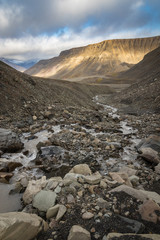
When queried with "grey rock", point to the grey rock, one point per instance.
{"points": [[133, 225], [150, 155], [153, 141], [57, 211], [44, 200], [9, 141]]}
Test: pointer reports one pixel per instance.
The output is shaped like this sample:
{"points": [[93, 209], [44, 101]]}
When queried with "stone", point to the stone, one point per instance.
{"points": [[58, 189], [9, 141], [20, 225], [138, 194], [103, 184], [44, 200], [153, 141], [87, 215], [33, 188], [116, 177], [150, 155], [58, 211], [102, 203], [94, 178], [48, 114], [70, 198], [133, 225], [157, 169], [13, 165], [116, 236], [78, 233], [5, 177], [72, 177], [121, 178], [129, 171], [148, 211], [81, 169], [134, 180], [34, 118]]}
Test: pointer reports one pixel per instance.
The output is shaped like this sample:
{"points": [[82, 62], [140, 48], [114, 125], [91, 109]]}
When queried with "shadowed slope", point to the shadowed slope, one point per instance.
{"points": [[22, 95], [144, 95]]}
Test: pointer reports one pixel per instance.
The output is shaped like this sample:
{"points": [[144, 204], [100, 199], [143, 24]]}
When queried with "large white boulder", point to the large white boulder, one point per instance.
{"points": [[20, 225]]}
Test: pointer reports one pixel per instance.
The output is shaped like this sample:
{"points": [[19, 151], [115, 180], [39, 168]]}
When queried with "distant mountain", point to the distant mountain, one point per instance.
{"points": [[13, 65], [99, 59], [19, 65]]}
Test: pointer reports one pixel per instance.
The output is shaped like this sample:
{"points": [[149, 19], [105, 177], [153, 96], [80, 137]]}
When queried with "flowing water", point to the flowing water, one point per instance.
{"points": [[29, 154]]}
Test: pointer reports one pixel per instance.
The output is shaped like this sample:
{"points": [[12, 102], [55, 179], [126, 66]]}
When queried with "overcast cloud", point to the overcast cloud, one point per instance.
{"points": [[38, 29]]}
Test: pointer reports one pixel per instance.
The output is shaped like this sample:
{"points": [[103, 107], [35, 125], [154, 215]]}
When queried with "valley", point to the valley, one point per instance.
{"points": [[82, 155]]}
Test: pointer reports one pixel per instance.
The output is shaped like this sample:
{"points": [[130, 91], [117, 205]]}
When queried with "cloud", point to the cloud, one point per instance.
{"points": [[36, 29], [44, 47], [34, 17]]}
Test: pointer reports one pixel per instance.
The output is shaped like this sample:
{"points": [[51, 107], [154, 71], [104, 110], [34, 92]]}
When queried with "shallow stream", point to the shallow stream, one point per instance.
{"points": [[29, 154]]}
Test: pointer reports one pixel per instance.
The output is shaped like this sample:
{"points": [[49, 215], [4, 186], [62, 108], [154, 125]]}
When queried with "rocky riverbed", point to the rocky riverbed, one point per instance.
{"points": [[86, 172]]}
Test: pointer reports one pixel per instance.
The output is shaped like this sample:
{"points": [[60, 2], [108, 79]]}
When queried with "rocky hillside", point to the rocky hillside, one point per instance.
{"points": [[145, 93], [22, 95], [149, 67], [100, 59]]}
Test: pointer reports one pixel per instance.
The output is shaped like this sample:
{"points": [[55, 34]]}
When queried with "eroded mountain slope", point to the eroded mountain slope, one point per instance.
{"points": [[106, 57]]}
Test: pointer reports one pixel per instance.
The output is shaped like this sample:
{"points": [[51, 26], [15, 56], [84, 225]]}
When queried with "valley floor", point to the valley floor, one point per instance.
{"points": [[104, 138]]}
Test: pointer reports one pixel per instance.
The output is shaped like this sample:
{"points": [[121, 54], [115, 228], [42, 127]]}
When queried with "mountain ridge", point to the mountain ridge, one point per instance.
{"points": [[102, 58]]}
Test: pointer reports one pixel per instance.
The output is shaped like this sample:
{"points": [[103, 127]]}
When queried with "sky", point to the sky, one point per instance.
{"points": [[41, 29]]}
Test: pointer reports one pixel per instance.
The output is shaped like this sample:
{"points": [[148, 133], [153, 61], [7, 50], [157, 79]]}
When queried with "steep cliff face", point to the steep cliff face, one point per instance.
{"points": [[103, 58]]}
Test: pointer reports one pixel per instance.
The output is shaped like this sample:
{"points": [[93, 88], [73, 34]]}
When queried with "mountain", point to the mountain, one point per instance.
{"points": [[19, 65], [13, 65], [144, 94], [23, 96], [99, 59]]}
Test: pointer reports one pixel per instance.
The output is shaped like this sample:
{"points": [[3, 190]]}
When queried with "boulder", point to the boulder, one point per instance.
{"points": [[81, 169], [5, 177], [129, 171], [149, 211], [121, 177], [78, 233], [94, 178], [132, 225], [57, 211], [34, 186], [44, 200], [20, 225], [139, 194], [150, 155], [9, 141], [153, 141]]}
